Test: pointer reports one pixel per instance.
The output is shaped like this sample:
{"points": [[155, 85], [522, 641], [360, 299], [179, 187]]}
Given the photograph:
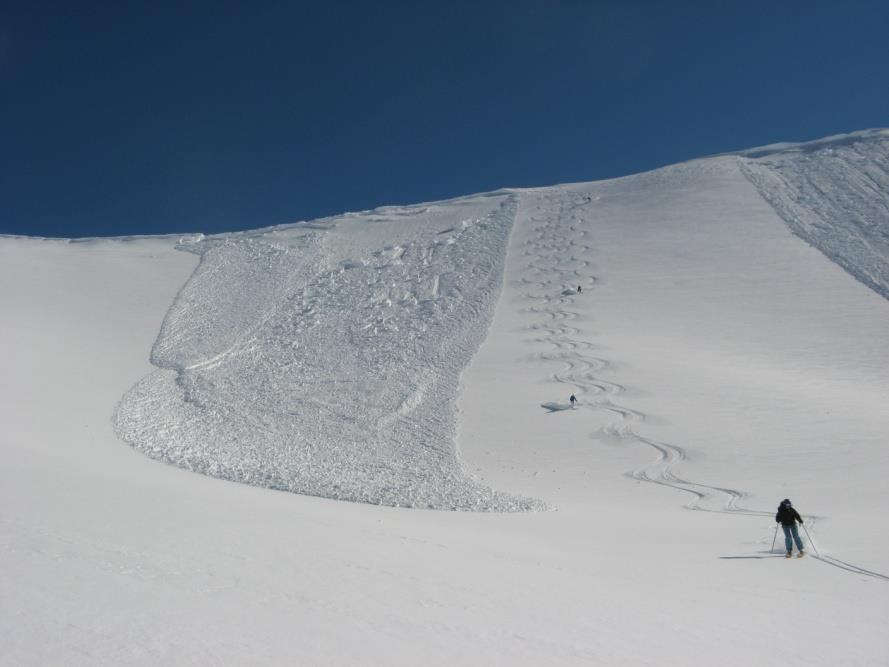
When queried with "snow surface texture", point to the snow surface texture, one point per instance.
{"points": [[834, 194], [318, 360]]}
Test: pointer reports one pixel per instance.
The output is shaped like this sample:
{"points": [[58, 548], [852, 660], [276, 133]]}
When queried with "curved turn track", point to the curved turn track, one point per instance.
{"points": [[555, 261]]}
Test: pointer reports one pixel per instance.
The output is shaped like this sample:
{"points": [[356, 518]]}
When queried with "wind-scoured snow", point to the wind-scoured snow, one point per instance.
{"points": [[834, 194], [321, 360]]}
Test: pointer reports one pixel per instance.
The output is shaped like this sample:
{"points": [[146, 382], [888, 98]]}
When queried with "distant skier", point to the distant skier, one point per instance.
{"points": [[573, 400], [787, 516], [579, 289]]}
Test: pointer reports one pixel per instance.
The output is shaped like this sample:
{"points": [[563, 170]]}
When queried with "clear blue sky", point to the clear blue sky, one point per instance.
{"points": [[153, 117]]}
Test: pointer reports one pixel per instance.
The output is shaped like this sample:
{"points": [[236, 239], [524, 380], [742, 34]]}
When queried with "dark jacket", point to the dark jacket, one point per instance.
{"points": [[787, 515]]}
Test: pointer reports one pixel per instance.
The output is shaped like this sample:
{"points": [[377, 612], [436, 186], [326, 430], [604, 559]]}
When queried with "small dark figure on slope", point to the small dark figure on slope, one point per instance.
{"points": [[573, 400]]}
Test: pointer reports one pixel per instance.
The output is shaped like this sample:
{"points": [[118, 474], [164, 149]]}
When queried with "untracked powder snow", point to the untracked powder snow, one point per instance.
{"points": [[324, 359]]}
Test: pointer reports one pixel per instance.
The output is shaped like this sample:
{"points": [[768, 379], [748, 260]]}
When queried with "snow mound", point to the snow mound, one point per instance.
{"points": [[834, 194], [325, 358]]}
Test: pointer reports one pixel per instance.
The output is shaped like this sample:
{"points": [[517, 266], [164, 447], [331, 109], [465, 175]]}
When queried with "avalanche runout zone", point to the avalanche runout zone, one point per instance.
{"points": [[324, 359]]}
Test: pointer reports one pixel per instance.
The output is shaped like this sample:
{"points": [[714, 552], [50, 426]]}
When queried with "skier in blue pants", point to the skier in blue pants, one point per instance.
{"points": [[787, 516]]}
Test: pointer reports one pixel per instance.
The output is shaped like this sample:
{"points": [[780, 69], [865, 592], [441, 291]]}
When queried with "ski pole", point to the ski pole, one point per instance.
{"points": [[774, 538], [811, 541]]}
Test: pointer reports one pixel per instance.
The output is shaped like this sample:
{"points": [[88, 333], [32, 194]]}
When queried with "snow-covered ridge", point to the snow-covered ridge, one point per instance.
{"points": [[834, 194], [833, 141], [324, 359]]}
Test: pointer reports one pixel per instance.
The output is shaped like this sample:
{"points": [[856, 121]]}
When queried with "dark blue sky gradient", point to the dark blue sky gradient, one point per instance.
{"points": [[143, 118]]}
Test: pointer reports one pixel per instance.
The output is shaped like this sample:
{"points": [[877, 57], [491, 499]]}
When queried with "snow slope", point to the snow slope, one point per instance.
{"points": [[722, 357]]}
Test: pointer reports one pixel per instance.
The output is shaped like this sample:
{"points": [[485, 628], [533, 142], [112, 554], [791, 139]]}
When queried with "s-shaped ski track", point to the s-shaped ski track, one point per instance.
{"points": [[548, 288]]}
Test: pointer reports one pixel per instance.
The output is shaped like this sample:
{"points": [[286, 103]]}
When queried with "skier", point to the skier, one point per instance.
{"points": [[787, 516], [573, 400], [579, 289]]}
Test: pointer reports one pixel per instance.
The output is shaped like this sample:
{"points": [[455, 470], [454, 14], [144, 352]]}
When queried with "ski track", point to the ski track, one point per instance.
{"points": [[550, 290]]}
